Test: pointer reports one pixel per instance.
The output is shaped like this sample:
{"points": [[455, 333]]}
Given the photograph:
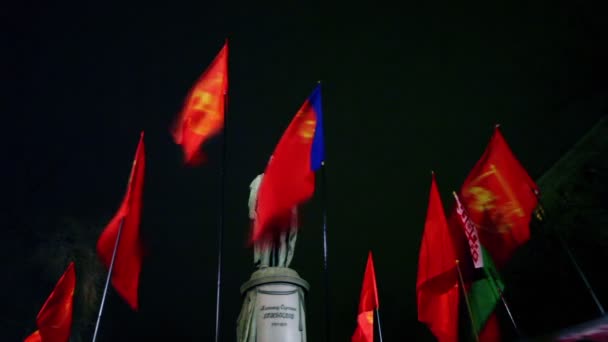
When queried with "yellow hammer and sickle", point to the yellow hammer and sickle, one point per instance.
{"points": [[513, 207], [206, 103], [484, 175], [483, 199], [307, 131], [517, 210], [202, 100]]}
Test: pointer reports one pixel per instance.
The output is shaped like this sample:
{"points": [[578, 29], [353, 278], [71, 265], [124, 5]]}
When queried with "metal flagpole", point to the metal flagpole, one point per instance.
{"points": [[540, 216], [220, 228], [506, 305], [379, 325], [325, 265], [582, 275], [105, 289], [466, 298]]}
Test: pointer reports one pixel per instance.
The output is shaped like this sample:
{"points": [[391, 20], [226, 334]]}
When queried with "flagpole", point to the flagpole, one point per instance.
{"points": [[504, 302], [582, 275], [506, 305], [325, 264], [379, 324], [220, 228], [105, 289], [540, 215], [466, 298]]}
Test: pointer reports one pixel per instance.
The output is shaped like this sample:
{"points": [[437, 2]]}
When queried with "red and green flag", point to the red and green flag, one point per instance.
{"points": [[483, 291], [484, 287]]}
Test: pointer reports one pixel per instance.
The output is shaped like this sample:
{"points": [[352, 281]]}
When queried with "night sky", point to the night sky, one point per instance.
{"points": [[405, 90]]}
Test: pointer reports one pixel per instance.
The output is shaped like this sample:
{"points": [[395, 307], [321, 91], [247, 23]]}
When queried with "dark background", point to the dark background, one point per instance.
{"points": [[406, 89]]}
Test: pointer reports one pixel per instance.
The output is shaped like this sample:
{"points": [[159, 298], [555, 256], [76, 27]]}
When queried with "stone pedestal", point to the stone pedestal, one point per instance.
{"points": [[273, 308]]}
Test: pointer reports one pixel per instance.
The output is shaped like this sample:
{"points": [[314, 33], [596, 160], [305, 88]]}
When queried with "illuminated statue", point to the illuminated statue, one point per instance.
{"points": [[273, 297], [278, 252]]}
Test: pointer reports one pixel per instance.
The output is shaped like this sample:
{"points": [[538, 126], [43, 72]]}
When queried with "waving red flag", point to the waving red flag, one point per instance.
{"points": [[34, 337], [437, 284], [289, 179], [54, 320], [125, 227], [203, 113], [499, 196], [368, 302]]}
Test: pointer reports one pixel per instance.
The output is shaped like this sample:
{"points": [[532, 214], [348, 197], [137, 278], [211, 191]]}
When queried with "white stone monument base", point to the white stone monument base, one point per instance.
{"points": [[273, 308]]}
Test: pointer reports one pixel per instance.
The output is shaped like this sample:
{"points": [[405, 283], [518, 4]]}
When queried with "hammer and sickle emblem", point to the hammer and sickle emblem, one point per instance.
{"points": [[206, 104], [483, 199], [203, 100], [307, 130]]}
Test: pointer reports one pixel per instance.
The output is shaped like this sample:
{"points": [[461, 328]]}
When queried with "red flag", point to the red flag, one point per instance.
{"points": [[289, 178], [491, 330], [203, 113], [437, 283], [368, 302], [127, 264], [54, 320], [34, 337], [499, 196]]}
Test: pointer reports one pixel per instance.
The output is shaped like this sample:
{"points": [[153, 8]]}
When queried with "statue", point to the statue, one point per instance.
{"points": [[273, 303], [278, 252]]}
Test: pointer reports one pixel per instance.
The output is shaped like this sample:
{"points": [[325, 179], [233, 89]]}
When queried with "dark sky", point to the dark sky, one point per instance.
{"points": [[406, 89]]}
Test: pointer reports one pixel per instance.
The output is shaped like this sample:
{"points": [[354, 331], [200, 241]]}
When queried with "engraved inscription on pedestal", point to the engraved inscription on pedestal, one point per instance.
{"points": [[273, 307], [278, 313]]}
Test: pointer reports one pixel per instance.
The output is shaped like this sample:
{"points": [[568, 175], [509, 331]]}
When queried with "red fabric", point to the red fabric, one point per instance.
{"points": [[289, 179], [54, 320], [34, 337], [365, 327], [499, 196], [368, 302], [369, 291], [491, 330], [203, 113], [437, 285], [127, 265]]}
